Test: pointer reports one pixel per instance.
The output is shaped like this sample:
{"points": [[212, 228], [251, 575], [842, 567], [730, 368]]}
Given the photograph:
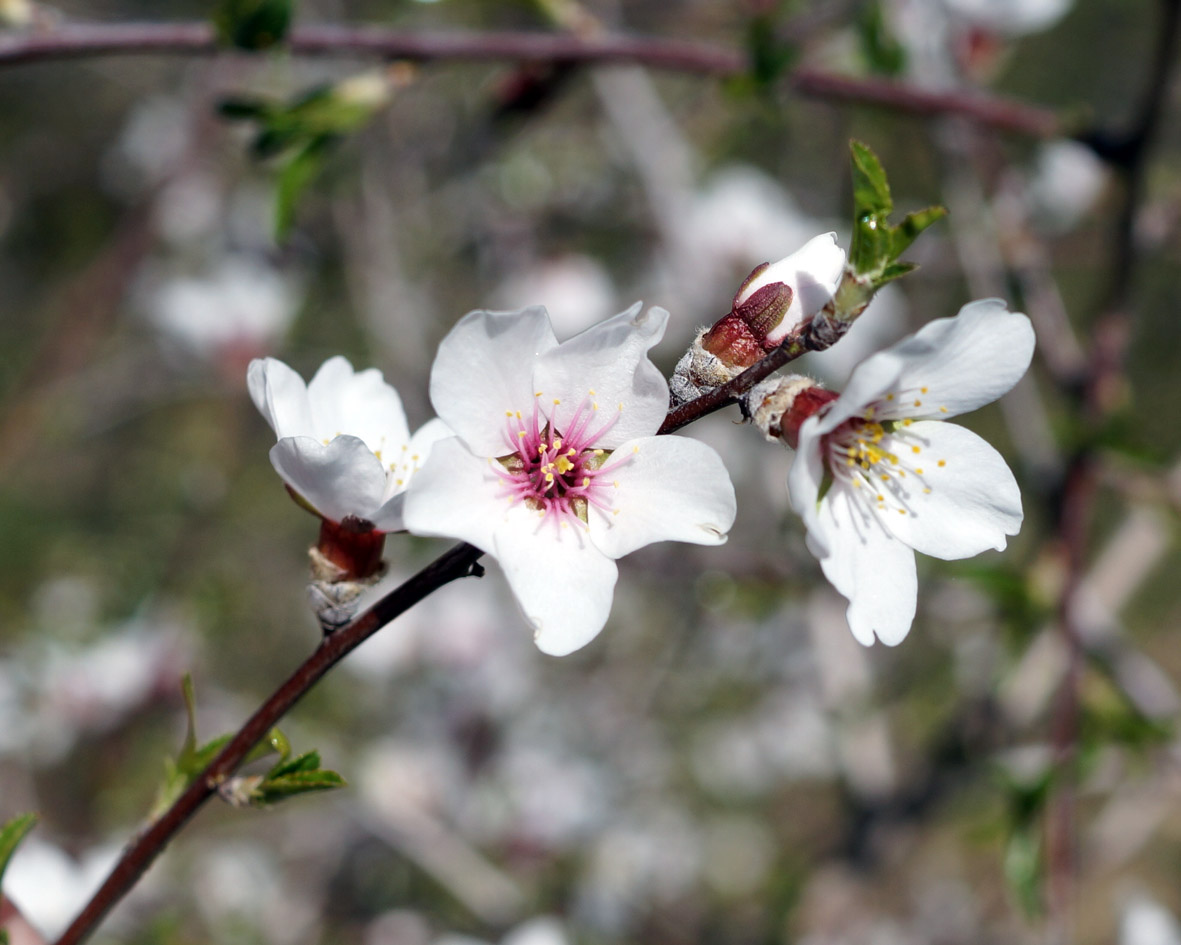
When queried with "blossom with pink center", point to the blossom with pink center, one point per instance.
{"points": [[878, 475], [343, 444], [556, 470]]}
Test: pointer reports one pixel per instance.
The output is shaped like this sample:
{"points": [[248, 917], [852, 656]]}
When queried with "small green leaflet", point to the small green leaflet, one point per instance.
{"points": [[11, 834]]}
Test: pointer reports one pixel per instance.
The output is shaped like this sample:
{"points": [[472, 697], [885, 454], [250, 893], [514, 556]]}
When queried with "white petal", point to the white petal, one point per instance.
{"points": [[670, 489], [562, 582], [280, 396], [485, 367], [813, 271], [973, 502], [338, 479], [804, 481], [427, 435], [456, 494], [610, 358], [875, 571], [389, 518], [359, 403], [963, 362]]}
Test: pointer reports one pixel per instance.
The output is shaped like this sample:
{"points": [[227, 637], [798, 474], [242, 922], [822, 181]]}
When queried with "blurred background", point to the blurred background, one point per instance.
{"points": [[724, 763]]}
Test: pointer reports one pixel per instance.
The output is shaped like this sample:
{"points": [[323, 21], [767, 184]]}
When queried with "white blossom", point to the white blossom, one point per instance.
{"points": [[343, 444], [552, 486], [878, 475]]}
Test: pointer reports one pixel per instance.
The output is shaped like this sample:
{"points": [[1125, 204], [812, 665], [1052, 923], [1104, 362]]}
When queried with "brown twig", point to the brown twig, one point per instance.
{"points": [[143, 850], [460, 561], [85, 40]]}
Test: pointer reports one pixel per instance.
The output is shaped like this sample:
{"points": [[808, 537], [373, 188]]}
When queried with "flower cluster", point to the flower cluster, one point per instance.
{"points": [[546, 455]]}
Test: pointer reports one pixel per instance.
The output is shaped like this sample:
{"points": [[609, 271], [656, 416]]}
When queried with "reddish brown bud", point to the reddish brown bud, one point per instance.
{"points": [[764, 310], [806, 403], [353, 545], [733, 342]]}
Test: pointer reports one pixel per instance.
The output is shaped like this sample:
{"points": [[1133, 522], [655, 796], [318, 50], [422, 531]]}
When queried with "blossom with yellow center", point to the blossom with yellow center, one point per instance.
{"points": [[878, 476]]}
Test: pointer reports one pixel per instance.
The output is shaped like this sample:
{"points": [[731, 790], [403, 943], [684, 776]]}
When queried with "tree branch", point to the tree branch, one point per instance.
{"points": [[86, 40], [460, 561]]}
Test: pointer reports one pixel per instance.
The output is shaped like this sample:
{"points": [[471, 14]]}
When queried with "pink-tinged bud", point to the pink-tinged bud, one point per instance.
{"points": [[780, 405], [811, 274], [352, 545], [733, 342]]}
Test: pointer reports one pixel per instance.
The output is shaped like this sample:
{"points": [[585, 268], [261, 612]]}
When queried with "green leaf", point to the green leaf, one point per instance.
{"points": [[277, 789], [309, 761], [768, 55], [11, 834], [294, 178], [911, 226], [252, 24], [876, 244], [243, 108], [1024, 870], [882, 51]]}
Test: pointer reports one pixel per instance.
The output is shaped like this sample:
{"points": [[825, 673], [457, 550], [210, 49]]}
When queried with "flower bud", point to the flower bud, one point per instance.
{"points": [[345, 562], [779, 406], [810, 274]]}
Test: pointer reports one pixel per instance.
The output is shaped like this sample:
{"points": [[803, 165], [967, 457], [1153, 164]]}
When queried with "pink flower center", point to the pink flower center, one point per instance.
{"points": [[554, 467]]}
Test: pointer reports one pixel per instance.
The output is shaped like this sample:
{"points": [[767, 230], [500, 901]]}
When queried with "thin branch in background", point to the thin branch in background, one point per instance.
{"points": [[1128, 152], [89, 40]]}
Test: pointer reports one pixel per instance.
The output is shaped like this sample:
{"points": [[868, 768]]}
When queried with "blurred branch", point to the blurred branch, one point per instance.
{"points": [[1098, 398], [85, 40]]}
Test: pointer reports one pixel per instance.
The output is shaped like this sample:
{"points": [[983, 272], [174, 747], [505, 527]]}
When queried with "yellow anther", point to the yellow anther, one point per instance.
{"points": [[564, 465], [902, 511], [414, 458], [585, 481], [915, 449], [520, 433], [557, 444], [635, 449], [518, 415], [595, 405], [881, 498], [621, 406], [508, 413], [591, 391], [869, 413], [885, 478], [918, 403], [942, 462], [923, 390], [943, 410], [919, 470], [556, 402], [599, 452], [889, 397], [616, 483], [907, 422], [927, 491], [549, 477], [538, 394], [400, 482]]}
